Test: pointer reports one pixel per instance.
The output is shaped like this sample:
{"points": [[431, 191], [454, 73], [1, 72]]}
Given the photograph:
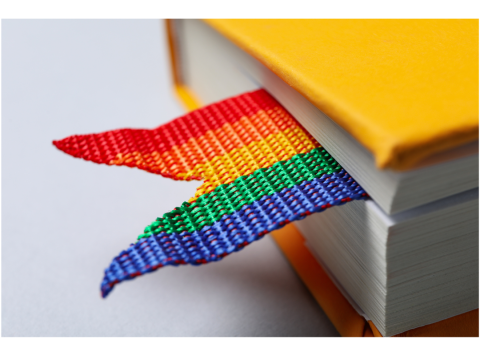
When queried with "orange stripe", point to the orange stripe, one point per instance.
{"points": [[181, 159]]}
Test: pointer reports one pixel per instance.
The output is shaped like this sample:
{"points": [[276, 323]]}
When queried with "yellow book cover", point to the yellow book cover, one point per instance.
{"points": [[405, 89]]}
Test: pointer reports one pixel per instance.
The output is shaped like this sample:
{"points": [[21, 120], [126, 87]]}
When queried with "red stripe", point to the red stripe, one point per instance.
{"points": [[104, 147]]}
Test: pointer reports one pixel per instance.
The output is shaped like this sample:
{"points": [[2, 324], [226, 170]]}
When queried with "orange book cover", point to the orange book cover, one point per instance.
{"points": [[404, 89]]}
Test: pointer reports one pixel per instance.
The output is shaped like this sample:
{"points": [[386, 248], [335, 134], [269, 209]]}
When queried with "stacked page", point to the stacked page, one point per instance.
{"points": [[404, 270]]}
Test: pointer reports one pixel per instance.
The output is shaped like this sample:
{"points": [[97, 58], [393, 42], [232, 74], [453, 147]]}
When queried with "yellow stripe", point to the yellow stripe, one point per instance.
{"points": [[246, 160]]}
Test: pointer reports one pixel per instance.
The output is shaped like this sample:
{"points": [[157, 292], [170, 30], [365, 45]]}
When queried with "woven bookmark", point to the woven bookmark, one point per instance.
{"points": [[260, 169]]}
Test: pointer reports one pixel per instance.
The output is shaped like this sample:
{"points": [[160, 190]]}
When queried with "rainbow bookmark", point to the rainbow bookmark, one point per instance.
{"points": [[260, 169]]}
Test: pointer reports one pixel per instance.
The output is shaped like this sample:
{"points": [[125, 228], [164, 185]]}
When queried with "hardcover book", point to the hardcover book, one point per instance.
{"points": [[395, 102]]}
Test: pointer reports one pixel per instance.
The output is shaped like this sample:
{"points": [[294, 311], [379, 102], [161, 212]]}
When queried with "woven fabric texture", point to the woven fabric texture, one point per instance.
{"points": [[261, 170]]}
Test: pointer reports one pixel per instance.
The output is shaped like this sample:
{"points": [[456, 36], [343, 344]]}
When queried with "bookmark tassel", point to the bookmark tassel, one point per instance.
{"points": [[260, 169]]}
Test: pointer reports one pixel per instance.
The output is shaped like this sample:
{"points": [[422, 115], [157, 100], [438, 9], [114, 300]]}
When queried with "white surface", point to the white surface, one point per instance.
{"points": [[64, 219]]}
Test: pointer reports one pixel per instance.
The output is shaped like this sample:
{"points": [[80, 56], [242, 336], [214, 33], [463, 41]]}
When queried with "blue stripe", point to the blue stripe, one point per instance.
{"points": [[234, 231]]}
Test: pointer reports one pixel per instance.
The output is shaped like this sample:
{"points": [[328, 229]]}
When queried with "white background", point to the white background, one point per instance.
{"points": [[64, 219]]}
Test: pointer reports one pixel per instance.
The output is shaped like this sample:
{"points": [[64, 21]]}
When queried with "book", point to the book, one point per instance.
{"points": [[347, 319], [210, 64], [213, 68]]}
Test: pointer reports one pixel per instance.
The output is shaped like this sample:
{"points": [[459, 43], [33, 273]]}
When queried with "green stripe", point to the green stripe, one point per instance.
{"points": [[228, 198]]}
